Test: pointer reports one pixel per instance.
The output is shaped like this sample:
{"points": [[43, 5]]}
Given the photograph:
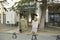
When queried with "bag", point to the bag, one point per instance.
{"points": [[20, 30]]}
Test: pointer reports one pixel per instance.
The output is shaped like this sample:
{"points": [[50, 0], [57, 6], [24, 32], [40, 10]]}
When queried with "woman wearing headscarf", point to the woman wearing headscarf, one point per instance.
{"points": [[23, 24]]}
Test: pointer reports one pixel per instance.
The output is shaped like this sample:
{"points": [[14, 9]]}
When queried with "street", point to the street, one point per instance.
{"points": [[9, 36], [6, 33]]}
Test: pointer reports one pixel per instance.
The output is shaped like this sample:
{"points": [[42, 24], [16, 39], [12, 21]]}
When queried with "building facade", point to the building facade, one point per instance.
{"points": [[9, 16], [54, 12]]}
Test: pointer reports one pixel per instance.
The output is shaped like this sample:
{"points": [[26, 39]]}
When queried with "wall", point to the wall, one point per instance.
{"points": [[10, 17]]}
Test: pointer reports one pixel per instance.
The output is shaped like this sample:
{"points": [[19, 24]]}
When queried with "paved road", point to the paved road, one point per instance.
{"points": [[8, 36]]}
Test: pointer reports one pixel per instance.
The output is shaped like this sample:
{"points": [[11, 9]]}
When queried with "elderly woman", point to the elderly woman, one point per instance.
{"points": [[35, 24]]}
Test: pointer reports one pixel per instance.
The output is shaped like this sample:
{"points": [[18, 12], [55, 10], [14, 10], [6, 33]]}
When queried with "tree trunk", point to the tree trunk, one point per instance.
{"points": [[43, 15], [39, 12], [42, 22]]}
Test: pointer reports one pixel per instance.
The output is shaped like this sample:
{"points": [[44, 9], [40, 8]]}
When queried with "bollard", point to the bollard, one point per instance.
{"points": [[14, 36]]}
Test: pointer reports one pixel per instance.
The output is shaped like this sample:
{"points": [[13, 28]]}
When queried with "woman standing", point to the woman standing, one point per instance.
{"points": [[23, 24], [34, 24]]}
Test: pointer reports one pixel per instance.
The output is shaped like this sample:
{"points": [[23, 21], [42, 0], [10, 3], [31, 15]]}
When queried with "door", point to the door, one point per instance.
{"points": [[4, 18]]}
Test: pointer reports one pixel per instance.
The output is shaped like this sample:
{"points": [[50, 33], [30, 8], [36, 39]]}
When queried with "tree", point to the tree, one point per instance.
{"points": [[3, 1], [43, 15], [20, 4]]}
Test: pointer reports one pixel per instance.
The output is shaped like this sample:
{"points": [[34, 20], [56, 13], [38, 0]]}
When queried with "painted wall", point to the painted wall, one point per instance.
{"points": [[10, 17]]}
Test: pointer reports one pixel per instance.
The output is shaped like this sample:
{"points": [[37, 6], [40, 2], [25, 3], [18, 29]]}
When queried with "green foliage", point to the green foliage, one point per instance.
{"points": [[5, 9], [25, 1], [21, 8]]}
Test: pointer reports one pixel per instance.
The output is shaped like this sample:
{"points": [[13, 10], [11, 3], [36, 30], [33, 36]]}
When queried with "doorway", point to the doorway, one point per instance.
{"points": [[4, 18]]}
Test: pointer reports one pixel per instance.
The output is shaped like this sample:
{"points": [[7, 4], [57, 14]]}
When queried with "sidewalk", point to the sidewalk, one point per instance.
{"points": [[4, 27], [16, 30], [46, 31]]}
